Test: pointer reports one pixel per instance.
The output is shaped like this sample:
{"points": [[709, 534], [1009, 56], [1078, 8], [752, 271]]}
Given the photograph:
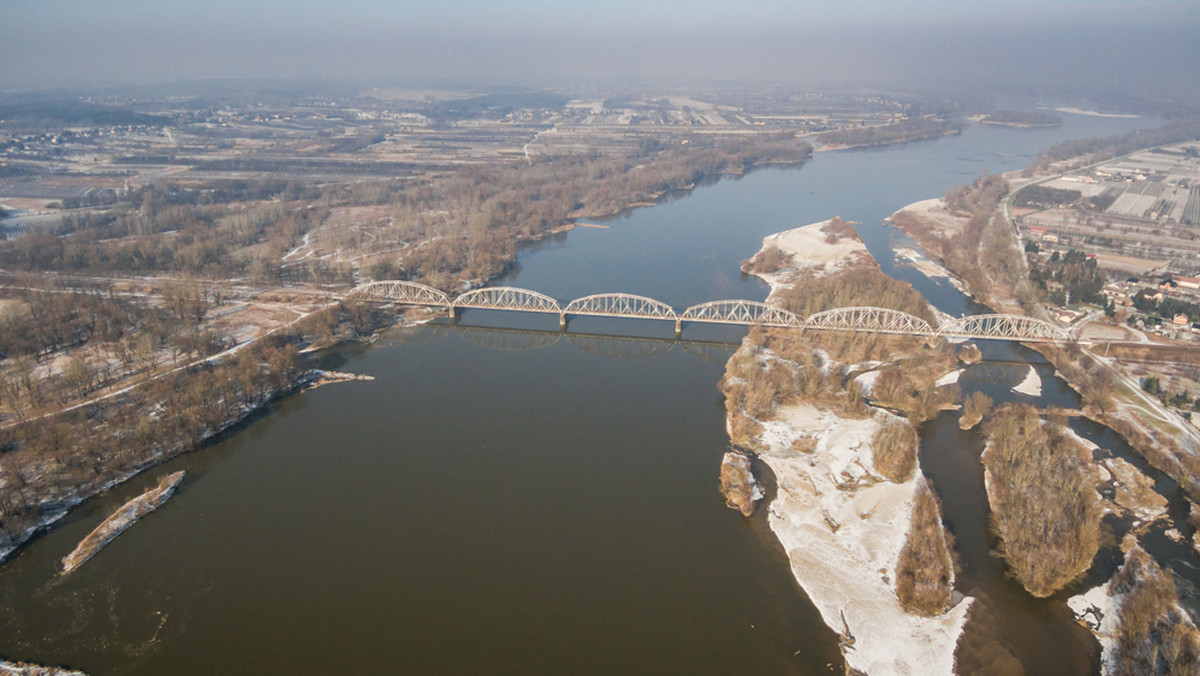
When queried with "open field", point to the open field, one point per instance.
{"points": [[1137, 213]]}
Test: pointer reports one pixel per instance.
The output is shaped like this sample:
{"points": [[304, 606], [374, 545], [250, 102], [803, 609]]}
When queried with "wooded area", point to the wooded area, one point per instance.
{"points": [[1045, 508]]}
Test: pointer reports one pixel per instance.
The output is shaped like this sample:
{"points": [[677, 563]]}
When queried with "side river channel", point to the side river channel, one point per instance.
{"points": [[518, 501]]}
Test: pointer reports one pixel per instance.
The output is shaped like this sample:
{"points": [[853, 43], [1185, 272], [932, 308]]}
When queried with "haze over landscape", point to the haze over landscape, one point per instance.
{"points": [[1105, 46], [641, 336]]}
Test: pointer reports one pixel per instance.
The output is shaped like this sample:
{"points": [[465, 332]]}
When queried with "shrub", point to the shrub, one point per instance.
{"points": [[925, 571], [895, 450], [974, 408], [1154, 635]]}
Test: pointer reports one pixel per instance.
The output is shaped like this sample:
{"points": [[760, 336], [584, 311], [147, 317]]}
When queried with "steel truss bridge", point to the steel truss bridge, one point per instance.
{"points": [[738, 312]]}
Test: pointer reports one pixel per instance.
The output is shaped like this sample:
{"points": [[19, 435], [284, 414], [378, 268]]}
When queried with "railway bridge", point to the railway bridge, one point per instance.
{"points": [[737, 312]]}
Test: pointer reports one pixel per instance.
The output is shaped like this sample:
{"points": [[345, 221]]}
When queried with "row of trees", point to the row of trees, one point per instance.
{"points": [[1097, 149], [917, 129]]}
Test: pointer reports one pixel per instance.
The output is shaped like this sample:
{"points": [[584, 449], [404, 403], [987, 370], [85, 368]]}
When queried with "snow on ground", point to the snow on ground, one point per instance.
{"points": [[1098, 611], [844, 545], [811, 250], [948, 379], [1031, 385], [866, 382], [24, 669], [928, 268]]}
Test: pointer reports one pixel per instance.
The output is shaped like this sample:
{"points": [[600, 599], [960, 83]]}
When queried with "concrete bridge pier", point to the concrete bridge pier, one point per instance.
{"points": [[678, 327], [562, 321]]}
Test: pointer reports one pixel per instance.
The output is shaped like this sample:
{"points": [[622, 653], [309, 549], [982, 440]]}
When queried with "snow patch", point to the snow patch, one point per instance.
{"points": [[1031, 385], [948, 379], [1097, 611], [843, 527]]}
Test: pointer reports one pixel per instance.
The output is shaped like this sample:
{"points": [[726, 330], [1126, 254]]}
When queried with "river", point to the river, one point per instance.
{"points": [[517, 502]]}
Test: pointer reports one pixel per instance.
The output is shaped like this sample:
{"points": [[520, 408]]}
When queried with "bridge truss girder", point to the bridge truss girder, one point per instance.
{"points": [[409, 293], [870, 320], [742, 312], [1001, 326], [506, 298], [620, 305]]}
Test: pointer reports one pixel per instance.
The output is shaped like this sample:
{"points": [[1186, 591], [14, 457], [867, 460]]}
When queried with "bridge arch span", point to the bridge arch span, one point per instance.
{"points": [[1000, 326], [742, 312], [620, 305], [410, 293], [869, 319], [506, 298]]}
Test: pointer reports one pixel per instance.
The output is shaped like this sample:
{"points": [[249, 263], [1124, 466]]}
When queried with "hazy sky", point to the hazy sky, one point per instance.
{"points": [[1151, 44]]}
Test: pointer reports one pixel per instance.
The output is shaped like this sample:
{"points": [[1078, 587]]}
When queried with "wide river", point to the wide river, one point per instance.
{"points": [[520, 502]]}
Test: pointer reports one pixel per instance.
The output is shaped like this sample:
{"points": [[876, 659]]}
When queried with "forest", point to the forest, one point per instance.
{"points": [[470, 219]]}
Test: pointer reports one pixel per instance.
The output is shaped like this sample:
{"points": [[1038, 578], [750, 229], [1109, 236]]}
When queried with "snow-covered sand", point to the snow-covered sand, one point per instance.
{"points": [[949, 379], [812, 252], [1098, 612], [844, 545], [842, 525], [24, 669], [1031, 385]]}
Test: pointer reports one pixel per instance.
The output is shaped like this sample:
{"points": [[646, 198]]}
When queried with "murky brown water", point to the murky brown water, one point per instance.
{"points": [[512, 503]]}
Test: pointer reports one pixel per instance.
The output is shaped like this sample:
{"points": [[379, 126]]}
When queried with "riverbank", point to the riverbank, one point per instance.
{"points": [[1110, 396], [47, 498], [1136, 616], [844, 525], [1140, 625], [116, 439]]}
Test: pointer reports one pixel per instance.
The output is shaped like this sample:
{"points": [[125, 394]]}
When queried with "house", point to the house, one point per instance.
{"points": [[1186, 282], [1180, 320]]}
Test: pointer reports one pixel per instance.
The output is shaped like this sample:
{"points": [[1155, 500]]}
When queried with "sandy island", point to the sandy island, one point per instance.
{"points": [[121, 519], [844, 545]]}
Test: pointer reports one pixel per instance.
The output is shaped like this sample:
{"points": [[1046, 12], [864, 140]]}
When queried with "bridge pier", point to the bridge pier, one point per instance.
{"points": [[678, 327], [562, 321]]}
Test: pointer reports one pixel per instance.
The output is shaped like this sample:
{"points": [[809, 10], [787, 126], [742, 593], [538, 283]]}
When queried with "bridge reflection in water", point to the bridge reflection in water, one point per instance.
{"points": [[739, 312], [605, 345]]}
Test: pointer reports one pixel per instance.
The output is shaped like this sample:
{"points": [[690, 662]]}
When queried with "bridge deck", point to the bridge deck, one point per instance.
{"points": [[736, 311]]}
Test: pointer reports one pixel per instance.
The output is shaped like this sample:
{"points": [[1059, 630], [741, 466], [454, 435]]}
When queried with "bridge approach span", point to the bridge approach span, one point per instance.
{"points": [[1008, 327], [409, 293]]}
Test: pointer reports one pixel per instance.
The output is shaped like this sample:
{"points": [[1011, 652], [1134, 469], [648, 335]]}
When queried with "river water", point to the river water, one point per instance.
{"points": [[520, 502]]}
